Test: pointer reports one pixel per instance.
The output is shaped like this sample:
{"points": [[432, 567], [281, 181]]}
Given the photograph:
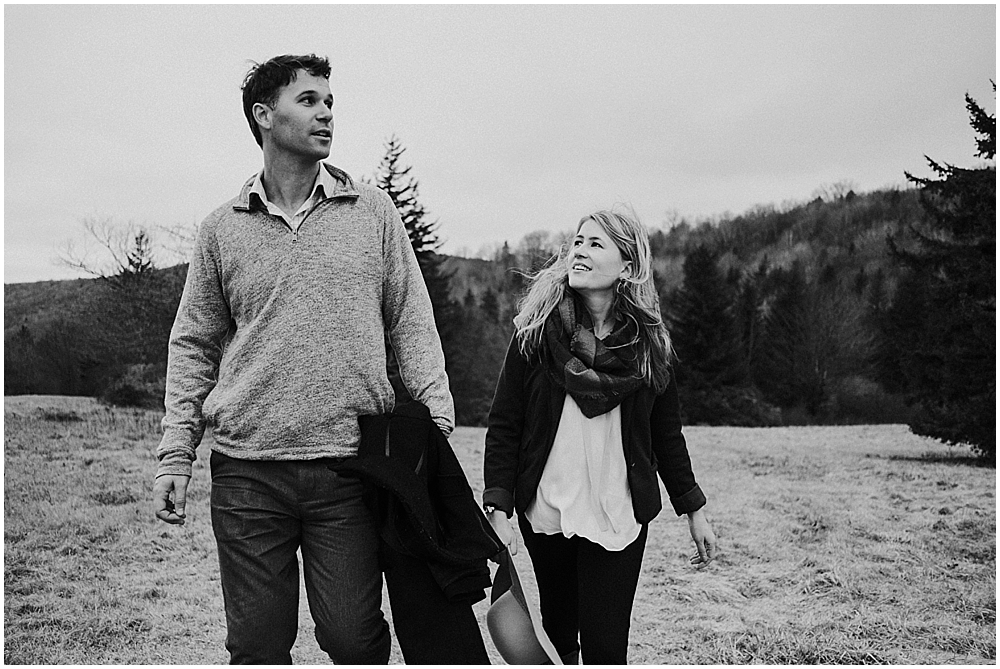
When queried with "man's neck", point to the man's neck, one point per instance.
{"points": [[288, 183]]}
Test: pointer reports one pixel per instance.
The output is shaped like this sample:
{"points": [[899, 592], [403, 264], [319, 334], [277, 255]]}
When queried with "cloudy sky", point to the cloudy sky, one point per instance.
{"points": [[515, 118]]}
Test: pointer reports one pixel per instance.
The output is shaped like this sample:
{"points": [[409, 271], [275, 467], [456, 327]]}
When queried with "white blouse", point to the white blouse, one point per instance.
{"points": [[584, 486]]}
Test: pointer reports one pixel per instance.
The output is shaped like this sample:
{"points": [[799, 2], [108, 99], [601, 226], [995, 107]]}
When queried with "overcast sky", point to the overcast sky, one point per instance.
{"points": [[515, 118]]}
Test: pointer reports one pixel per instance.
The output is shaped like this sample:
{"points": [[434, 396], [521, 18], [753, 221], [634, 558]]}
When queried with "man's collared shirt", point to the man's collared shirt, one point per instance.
{"points": [[325, 183]]}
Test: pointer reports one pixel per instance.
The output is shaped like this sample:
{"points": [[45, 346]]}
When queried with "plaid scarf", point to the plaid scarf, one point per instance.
{"points": [[597, 374]]}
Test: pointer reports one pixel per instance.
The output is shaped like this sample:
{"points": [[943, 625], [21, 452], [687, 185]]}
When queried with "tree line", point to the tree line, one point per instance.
{"points": [[850, 308]]}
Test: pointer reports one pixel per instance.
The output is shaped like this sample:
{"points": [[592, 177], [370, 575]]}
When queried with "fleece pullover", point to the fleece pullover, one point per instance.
{"points": [[278, 341]]}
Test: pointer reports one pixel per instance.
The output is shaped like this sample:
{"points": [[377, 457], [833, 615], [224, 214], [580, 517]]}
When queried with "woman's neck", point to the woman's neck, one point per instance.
{"points": [[599, 305]]}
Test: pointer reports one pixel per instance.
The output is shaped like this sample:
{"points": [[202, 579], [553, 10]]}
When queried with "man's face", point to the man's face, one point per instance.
{"points": [[302, 118]]}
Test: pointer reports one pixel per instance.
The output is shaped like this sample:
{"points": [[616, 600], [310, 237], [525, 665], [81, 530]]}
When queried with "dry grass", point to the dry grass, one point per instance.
{"points": [[840, 545]]}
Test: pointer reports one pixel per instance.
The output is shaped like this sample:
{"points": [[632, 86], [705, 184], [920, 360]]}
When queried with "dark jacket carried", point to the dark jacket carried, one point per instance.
{"points": [[422, 501], [522, 427]]}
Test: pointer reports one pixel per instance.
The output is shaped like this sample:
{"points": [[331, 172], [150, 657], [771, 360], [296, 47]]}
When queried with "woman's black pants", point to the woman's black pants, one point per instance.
{"points": [[585, 592]]}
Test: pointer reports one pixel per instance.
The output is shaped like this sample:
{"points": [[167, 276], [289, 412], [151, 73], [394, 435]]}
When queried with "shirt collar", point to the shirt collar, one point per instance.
{"points": [[336, 184], [324, 186]]}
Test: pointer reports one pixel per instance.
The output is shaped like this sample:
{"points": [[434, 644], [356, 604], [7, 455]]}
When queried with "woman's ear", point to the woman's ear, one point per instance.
{"points": [[626, 272]]}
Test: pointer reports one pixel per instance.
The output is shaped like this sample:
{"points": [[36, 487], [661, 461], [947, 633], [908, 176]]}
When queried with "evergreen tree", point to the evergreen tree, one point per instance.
{"points": [[712, 377], [513, 284], [404, 191], [748, 314], [394, 178], [475, 361], [703, 329], [139, 258], [943, 321], [781, 369], [490, 305]]}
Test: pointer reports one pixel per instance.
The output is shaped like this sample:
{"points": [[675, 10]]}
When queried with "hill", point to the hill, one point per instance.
{"points": [[80, 334], [37, 305]]}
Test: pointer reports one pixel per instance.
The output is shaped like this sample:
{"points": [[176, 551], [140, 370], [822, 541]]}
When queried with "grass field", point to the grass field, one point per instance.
{"points": [[856, 545]]}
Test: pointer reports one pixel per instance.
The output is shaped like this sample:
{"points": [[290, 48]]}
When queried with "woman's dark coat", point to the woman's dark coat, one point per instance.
{"points": [[522, 427]]}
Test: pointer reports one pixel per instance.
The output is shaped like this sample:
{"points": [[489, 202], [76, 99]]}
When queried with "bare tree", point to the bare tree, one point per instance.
{"points": [[177, 241], [114, 251], [111, 251], [136, 304], [835, 191]]}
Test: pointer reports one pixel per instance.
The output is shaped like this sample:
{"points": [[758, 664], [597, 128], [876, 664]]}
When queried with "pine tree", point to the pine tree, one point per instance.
{"points": [[946, 350], [404, 191], [139, 258], [712, 375], [703, 329], [781, 369]]}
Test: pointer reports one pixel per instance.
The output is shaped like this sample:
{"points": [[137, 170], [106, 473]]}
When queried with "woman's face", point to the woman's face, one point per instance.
{"points": [[595, 263]]}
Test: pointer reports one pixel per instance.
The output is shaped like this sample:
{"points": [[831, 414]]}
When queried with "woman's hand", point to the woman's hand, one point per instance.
{"points": [[704, 539], [504, 529]]}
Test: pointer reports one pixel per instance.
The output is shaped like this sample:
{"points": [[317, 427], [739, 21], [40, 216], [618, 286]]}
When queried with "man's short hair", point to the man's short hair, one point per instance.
{"points": [[263, 83]]}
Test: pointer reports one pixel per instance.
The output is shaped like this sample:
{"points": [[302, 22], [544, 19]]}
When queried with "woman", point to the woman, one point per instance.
{"points": [[585, 415]]}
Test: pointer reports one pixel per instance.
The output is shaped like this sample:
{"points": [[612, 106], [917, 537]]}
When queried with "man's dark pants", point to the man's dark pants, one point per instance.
{"points": [[262, 512]]}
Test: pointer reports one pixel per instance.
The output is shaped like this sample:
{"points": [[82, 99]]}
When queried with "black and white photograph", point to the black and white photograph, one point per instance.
{"points": [[466, 334]]}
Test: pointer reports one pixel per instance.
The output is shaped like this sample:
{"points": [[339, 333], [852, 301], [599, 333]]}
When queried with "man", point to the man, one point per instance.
{"points": [[278, 346]]}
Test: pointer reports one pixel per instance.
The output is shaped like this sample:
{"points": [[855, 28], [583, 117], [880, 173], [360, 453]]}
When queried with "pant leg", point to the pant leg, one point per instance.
{"points": [[342, 574], [554, 560], [430, 628], [608, 581], [257, 532]]}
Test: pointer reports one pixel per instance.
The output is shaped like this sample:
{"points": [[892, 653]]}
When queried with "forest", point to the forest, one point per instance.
{"points": [[876, 307]]}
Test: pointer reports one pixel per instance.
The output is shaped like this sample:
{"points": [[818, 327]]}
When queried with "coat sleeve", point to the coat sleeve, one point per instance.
{"points": [[503, 432], [670, 450]]}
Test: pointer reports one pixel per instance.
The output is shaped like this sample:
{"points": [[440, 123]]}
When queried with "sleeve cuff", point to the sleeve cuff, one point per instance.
{"points": [[499, 498], [444, 425], [690, 501], [174, 469]]}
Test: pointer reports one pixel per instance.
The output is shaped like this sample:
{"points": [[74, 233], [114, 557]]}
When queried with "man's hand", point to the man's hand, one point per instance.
{"points": [[169, 493]]}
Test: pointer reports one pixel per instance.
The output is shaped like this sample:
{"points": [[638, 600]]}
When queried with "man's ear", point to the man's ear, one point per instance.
{"points": [[262, 115]]}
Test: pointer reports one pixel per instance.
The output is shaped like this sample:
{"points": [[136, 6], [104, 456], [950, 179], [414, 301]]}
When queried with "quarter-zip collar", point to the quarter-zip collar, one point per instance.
{"points": [[335, 183]]}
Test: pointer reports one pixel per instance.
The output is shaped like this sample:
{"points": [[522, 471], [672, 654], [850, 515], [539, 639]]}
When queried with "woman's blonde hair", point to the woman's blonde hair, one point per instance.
{"points": [[635, 297]]}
